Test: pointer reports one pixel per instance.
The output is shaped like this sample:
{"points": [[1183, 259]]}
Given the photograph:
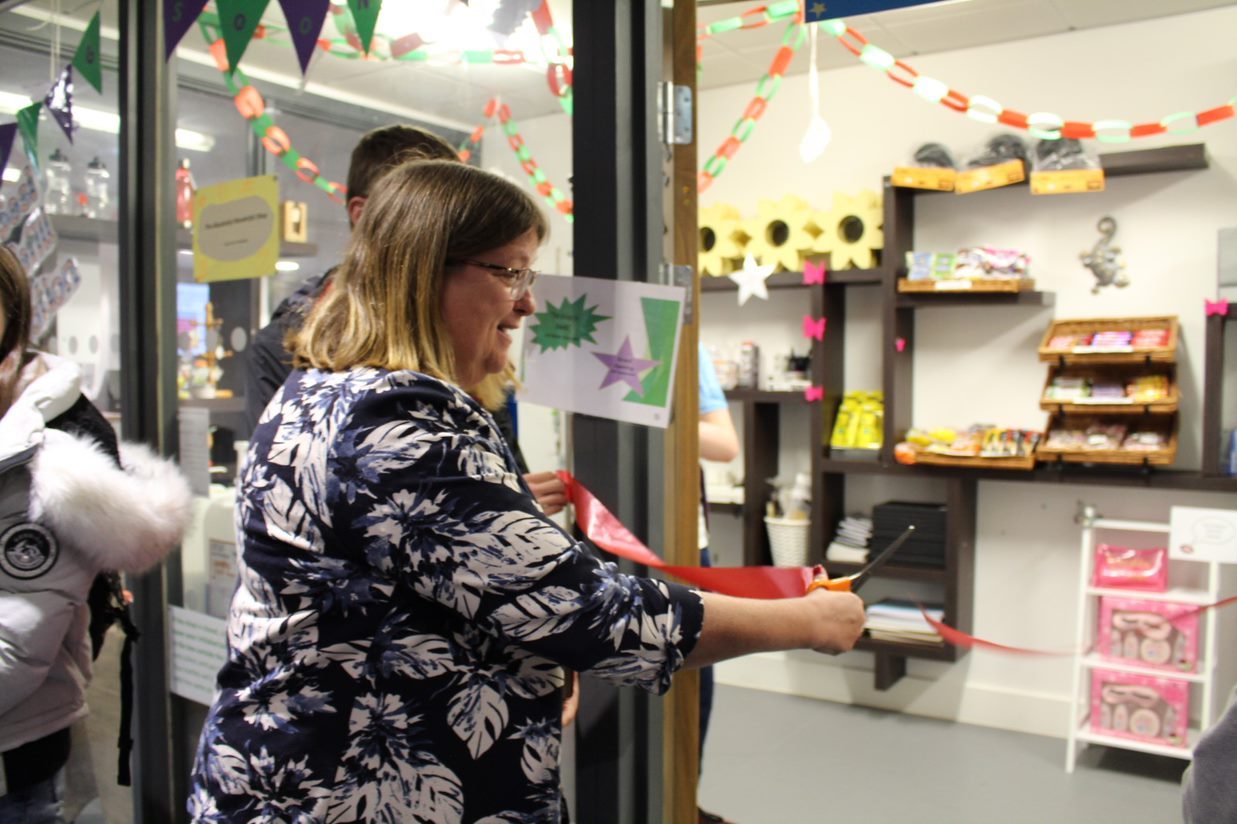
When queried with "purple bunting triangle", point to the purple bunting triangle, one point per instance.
{"points": [[59, 102], [178, 16], [7, 131], [305, 18]]}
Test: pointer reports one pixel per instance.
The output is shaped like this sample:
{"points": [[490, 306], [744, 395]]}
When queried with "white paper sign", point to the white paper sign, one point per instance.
{"points": [[1197, 534], [603, 347], [199, 651]]}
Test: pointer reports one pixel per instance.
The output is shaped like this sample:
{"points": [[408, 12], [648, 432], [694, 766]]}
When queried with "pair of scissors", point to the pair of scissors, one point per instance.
{"points": [[851, 583]]}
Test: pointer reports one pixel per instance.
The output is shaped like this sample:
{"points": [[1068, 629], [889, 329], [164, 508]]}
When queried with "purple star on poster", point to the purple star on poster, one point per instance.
{"points": [[624, 366], [59, 102]]}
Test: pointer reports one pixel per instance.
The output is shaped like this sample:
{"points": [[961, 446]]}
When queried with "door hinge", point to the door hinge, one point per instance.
{"points": [[676, 114], [685, 276]]}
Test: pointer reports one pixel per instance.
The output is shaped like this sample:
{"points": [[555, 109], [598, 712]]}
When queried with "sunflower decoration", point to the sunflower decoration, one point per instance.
{"points": [[851, 231], [722, 239], [783, 232]]}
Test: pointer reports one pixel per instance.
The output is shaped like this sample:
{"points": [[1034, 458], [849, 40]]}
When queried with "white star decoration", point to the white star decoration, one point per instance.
{"points": [[751, 279]]}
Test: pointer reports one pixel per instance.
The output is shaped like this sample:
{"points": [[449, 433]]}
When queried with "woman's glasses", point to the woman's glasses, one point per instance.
{"points": [[519, 281]]}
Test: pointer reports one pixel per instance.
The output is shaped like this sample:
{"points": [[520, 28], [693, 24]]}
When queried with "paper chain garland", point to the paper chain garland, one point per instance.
{"points": [[553, 195], [252, 106], [765, 90]]}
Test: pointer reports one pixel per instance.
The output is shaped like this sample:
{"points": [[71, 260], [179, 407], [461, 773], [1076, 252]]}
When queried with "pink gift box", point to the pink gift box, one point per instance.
{"points": [[1140, 707], [1148, 633]]}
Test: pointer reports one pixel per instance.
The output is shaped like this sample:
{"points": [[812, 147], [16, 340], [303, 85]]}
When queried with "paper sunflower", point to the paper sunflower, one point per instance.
{"points": [[722, 239], [783, 232], [851, 231]]}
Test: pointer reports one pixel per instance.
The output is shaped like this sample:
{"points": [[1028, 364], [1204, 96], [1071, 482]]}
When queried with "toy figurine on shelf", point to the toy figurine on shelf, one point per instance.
{"points": [[185, 188], [1104, 260]]}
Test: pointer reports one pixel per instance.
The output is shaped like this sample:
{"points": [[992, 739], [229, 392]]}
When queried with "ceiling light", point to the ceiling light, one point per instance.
{"points": [[287, 266], [12, 174], [101, 121]]}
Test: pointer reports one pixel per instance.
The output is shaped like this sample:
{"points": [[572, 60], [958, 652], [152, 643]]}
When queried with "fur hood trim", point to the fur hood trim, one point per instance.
{"points": [[128, 519]]}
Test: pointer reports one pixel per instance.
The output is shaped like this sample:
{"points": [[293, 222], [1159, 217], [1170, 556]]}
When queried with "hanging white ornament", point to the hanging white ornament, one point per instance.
{"points": [[816, 138]]}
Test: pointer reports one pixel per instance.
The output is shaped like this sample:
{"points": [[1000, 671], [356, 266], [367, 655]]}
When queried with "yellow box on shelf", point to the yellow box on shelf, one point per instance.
{"points": [[920, 177], [990, 177], [1067, 181]]}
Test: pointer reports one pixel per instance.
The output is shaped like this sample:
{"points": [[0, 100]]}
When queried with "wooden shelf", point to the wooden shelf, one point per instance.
{"points": [[903, 572], [794, 280], [923, 300], [222, 405], [934, 652], [1059, 473], [726, 508], [765, 395]]}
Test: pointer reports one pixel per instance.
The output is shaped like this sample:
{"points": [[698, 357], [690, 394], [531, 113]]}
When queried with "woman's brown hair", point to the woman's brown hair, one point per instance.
{"points": [[383, 307]]}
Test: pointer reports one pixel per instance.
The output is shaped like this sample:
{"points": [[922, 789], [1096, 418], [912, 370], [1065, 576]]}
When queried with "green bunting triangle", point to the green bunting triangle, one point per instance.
{"points": [[238, 20], [86, 59], [28, 125], [365, 13]]}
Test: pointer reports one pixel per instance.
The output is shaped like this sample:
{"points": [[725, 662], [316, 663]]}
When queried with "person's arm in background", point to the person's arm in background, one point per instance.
{"points": [[718, 439]]}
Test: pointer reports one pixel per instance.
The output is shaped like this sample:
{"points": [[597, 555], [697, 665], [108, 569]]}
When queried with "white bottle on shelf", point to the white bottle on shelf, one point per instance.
{"points": [[58, 188], [98, 202]]}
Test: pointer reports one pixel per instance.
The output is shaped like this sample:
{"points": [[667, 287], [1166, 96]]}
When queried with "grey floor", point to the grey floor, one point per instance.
{"points": [[778, 758]]}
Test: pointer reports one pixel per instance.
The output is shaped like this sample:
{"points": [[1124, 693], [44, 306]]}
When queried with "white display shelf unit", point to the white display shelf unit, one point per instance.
{"points": [[1202, 681]]}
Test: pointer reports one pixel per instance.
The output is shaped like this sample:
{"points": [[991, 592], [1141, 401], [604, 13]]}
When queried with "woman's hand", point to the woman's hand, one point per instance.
{"points": [[549, 490], [840, 620], [571, 703]]}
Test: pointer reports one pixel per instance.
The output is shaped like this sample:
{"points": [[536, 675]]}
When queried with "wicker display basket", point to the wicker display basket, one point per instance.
{"points": [[1164, 424], [1111, 373], [952, 287], [1166, 353]]}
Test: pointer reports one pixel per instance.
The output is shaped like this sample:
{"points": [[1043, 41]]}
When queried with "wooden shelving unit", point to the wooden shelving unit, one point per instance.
{"points": [[959, 484]]}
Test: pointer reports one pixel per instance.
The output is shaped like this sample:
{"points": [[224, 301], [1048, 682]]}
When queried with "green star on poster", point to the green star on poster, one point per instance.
{"points": [[571, 323]]}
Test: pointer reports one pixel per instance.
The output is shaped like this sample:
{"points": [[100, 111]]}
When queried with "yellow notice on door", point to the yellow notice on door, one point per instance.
{"points": [[236, 229]]}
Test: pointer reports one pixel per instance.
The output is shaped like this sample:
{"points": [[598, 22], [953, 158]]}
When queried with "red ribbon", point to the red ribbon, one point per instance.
{"points": [[603, 529]]}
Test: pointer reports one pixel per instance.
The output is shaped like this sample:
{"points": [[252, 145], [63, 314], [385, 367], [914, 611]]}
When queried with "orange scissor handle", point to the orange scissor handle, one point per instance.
{"points": [[831, 584]]}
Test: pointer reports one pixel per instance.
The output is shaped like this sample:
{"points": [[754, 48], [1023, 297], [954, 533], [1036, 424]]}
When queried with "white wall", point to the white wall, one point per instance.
{"points": [[973, 365]]}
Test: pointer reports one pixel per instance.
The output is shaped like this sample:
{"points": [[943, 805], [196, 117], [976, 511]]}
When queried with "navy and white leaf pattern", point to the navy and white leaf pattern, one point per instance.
{"points": [[396, 643]]}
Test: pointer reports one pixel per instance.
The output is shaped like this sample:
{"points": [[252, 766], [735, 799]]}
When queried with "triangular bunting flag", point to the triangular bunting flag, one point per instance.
{"points": [[6, 145], [238, 20], [178, 16], [28, 123], [365, 13], [86, 58], [305, 19], [59, 102]]}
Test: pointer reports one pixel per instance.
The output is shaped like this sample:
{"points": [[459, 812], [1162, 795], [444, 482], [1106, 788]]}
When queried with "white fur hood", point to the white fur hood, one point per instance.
{"points": [[126, 519]]}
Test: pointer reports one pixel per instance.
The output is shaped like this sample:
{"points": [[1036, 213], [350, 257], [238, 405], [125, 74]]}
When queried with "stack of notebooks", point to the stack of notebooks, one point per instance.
{"points": [[850, 545], [897, 620]]}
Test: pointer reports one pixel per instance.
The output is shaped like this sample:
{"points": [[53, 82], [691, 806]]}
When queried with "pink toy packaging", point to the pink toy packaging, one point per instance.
{"points": [[1120, 566], [1148, 633], [1141, 707]]}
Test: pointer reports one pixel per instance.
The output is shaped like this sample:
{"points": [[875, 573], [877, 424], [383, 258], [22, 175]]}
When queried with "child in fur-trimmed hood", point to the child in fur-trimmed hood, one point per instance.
{"points": [[73, 503]]}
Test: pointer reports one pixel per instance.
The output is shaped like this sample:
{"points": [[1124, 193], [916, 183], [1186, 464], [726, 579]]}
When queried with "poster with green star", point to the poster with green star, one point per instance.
{"points": [[603, 347]]}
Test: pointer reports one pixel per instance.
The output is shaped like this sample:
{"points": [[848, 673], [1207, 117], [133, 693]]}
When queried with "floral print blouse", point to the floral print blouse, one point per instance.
{"points": [[395, 641]]}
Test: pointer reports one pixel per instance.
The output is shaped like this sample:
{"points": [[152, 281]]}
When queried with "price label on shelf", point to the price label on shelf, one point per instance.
{"points": [[1102, 350], [1067, 181], [952, 285], [990, 177]]}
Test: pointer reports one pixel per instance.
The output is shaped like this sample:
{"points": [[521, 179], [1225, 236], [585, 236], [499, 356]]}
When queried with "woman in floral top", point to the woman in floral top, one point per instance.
{"points": [[405, 609]]}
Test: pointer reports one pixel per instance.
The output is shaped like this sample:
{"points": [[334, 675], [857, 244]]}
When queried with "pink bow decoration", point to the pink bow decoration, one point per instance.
{"points": [[814, 393], [900, 344], [813, 272], [1216, 307], [814, 328]]}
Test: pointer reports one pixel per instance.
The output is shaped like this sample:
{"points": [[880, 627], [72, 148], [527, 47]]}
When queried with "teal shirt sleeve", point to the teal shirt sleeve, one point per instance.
{"points": [[711, 396]]}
